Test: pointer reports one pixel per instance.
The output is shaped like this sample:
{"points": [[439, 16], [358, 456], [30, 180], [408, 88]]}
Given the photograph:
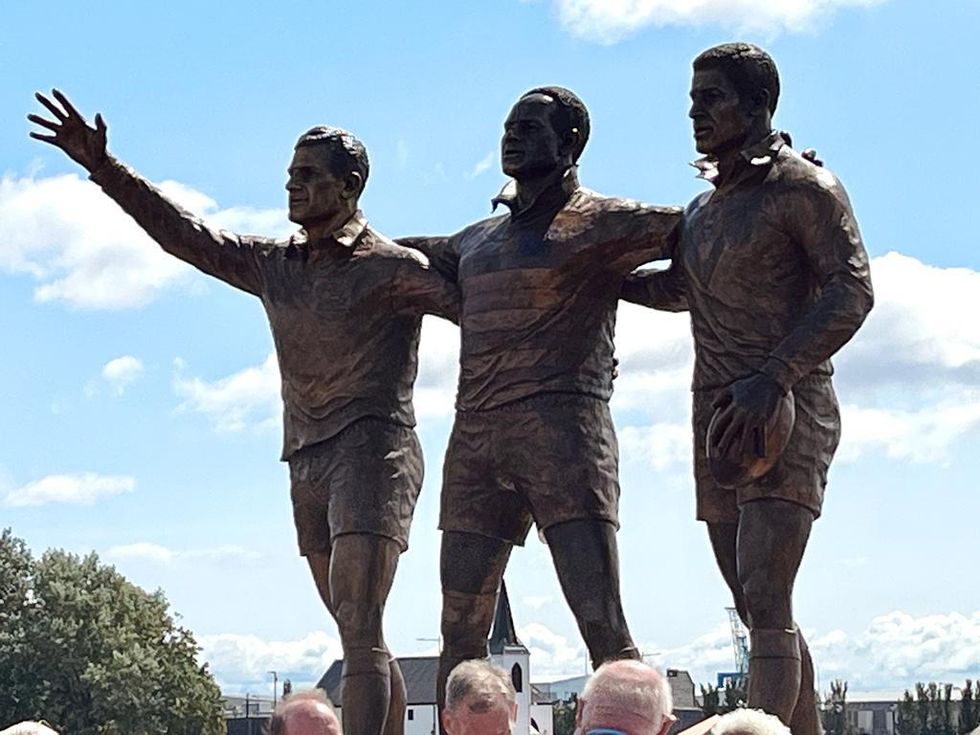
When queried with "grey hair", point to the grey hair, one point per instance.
{"points": [[478, 683], [749, 722], [29, 728], [277, 724], [648, 696]]}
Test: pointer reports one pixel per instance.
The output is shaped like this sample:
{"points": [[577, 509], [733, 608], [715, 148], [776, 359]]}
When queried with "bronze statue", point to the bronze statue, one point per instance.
{"points": [[345, 306], [771, 266], [533, 438]]}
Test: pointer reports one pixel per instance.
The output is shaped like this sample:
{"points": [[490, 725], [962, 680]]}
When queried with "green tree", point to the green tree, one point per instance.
{"points": [[834, 713], [715, 701], [564, 715], [93, 654], [968, 709]]}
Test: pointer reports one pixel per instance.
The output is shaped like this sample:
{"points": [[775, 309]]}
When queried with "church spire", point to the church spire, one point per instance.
{"points": [[503, 634]]}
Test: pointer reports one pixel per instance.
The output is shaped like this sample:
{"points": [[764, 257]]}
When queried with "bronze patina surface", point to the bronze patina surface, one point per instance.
{"points": [[771, 265], [345, 306]]}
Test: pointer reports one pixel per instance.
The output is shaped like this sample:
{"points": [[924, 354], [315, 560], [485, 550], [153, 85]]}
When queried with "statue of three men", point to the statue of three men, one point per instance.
{"points": [[769, 263]]}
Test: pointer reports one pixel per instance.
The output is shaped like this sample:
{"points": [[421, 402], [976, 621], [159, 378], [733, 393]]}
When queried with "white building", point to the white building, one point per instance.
{"points": [[420, 673]]}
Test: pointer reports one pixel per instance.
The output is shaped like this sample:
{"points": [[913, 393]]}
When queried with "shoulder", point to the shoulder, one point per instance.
{"points": [[479, 229], [697, 202], [589, 201], [377, 246], [794, 176]]}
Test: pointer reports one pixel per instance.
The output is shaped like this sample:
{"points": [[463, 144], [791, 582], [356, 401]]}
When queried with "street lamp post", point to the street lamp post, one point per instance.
{"points": [[275, 688]]}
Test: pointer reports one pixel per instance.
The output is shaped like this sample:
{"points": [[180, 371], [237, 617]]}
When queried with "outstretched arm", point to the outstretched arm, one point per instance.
{"points": [[656, 289], [440, 250], [224, 255], [419, 288]]}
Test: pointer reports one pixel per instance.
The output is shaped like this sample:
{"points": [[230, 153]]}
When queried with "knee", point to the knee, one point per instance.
{"points": [[466, 619], [765, 602], [358, 622]]}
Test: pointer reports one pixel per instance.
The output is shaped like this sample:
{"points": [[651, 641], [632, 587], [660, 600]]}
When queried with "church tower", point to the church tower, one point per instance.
{"points": [[507, 652]]}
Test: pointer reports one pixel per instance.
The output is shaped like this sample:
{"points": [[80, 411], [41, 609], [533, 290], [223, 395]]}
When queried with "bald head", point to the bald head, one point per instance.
{"points": [[627, 696], [749, 722], [29, 728], [305, 713]]}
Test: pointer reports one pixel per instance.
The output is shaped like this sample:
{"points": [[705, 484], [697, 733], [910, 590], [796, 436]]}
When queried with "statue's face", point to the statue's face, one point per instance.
{"points": [[720, 123], [530, 146], [315, 192]]}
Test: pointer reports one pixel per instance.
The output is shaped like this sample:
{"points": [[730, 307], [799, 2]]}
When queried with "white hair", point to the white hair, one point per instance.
{"points": [[478, 683], [749, 722], [630, 686], [28, 728]]}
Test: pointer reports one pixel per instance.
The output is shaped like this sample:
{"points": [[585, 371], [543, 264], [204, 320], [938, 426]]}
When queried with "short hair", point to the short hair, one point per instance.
{"points": [[747, 67], [277, 724], [749, 722], [29, 728], [478, 683], [631, 687], [345, 152], [571, 115]]}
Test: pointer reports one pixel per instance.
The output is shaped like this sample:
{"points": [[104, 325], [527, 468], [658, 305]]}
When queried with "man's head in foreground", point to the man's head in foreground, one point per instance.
{"points": [[480, 700], [28, 728], [626, 697], [749, 722], [305, 713]]}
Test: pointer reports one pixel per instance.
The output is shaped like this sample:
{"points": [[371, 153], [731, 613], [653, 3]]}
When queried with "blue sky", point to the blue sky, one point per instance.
{"points": [[140, 412]]}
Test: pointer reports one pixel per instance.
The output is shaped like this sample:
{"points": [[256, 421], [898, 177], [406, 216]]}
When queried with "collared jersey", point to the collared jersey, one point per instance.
{"points": [[345, 314], [775, 273], [539, 292]]}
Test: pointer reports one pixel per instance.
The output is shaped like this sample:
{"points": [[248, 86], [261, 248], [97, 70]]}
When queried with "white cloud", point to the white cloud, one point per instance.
{"points": [[909, 382], [249, 397], [912, 406], [121, 371], [242, 663], [483, 165], [82, 488], [892, 653], [84, 251], [609, 21], [163, 555]]}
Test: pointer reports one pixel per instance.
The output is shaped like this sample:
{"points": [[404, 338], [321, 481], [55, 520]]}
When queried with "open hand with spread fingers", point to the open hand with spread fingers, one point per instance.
{"points": [[70, 132]]}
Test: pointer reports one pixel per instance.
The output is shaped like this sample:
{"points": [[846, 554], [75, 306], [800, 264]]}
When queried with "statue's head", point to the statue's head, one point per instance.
{"points": [[327, 175], [546, 130], [733, 97]]}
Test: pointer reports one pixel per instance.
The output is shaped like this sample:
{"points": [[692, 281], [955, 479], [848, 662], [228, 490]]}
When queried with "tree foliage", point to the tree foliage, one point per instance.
{"points": [[834, 713], [564, 715], [715, 701], [933, 711], [93, 654]]}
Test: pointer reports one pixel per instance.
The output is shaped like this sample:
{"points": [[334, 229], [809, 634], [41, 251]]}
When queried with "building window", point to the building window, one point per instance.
{"points": [[411, 714], [517, 676]]}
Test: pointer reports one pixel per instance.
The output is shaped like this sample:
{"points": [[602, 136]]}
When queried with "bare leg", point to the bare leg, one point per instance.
{"points": [[587, 561], [806, 716], [471, 567], [362, 567], [395, 724], [320, 567], [772, 536]]}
